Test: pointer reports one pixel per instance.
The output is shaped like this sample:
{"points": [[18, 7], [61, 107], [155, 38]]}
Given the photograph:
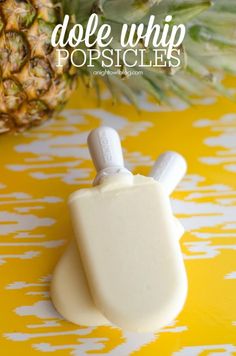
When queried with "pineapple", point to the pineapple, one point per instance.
{"points": [[33, 88]]}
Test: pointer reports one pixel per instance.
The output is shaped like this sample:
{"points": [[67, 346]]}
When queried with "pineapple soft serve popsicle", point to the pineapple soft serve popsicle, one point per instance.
{"points": [[69, 289], [128, 243]]}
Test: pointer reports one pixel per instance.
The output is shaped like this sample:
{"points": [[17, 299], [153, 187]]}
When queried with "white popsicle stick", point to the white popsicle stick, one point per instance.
{"points": [[106, 152], [169, 169]]}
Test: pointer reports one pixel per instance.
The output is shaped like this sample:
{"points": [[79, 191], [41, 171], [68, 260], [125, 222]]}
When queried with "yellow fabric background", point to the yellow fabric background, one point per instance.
{"points": [[40, 168]]}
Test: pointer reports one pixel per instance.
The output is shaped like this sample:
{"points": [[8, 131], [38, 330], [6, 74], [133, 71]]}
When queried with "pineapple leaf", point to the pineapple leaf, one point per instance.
{"points": [[182, 10], [205, 34], [127, 11]]}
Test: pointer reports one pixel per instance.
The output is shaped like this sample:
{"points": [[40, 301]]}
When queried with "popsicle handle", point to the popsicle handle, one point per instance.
{"points": [[169, 169], [106, 152]]}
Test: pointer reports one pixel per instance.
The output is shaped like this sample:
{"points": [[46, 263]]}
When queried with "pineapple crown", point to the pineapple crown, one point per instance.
{"points": [[208, 50], [33, 87]]}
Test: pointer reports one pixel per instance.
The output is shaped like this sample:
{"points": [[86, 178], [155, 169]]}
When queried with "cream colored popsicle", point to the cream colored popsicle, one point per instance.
{"points": [[69, 288], [70, 292], [128, 245]]}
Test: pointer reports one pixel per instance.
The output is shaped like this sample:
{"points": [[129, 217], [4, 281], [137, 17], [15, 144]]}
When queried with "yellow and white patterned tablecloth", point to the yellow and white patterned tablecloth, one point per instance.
{"points": [[40, 168]]}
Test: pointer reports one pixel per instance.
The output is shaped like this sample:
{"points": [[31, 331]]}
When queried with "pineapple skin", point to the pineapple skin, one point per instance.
{"points": [[32, 88]]}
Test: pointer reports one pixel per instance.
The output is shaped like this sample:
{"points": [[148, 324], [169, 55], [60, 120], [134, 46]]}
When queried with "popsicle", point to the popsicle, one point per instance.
{"points": [[70, 293], [69, 288], [128, 246]]}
